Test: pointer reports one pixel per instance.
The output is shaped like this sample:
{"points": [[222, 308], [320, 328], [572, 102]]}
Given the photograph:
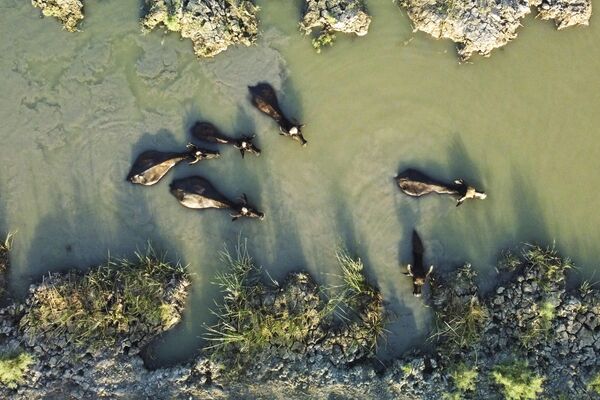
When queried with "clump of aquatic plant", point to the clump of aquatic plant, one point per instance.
{"points": [[326, 38], [517, 381], [120, 297], [594, 384], [540, 325], [550, 265], [461, 319], [13, 367]]}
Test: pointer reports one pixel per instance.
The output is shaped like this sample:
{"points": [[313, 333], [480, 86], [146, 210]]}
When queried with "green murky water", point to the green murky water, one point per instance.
{"points": [[77, 108]]}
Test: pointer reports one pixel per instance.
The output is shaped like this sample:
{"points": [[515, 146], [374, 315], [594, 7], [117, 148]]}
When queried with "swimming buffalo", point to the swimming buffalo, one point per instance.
{"points": [[152, 165], [198, 193], [207, 132], [264, 98], [416, 183], [417, 269]]}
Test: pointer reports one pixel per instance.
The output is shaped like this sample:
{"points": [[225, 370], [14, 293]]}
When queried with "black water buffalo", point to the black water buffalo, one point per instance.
{"points": [[152, 165], [417, 268], [416, 183], [265, 99], [198, 193], [207, 132]]}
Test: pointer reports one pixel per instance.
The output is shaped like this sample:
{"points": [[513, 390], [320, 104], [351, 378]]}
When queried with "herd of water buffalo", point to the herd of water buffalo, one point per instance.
{"points": [[197, 192]]}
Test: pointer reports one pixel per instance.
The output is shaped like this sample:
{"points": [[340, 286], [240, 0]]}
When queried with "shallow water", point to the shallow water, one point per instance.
{"points": [[78, 108]]}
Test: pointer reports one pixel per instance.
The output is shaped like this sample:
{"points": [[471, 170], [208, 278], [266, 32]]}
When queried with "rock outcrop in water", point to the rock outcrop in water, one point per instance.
{"points": [[480, 26], [211, 25], [346, 16], [529, 335], [69, 12], [566, 13]]}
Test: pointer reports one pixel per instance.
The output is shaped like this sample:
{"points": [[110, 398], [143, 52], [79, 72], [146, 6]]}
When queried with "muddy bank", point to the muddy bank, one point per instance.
{"points": [[272, 340], [212, 25], [482, 26], [68, 12]]}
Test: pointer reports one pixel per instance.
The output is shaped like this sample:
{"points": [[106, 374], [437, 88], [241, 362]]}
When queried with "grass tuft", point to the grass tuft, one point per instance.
{"points": [[550, 265], [362, 299], [594, 384], [13, 367], [541, 324], [461, 320], [465, 378], [517, 382], [119, 297]]}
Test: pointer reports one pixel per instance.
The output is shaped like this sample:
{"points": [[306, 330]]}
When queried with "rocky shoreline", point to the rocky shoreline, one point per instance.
{"points": [[481, 26], [528, 334], [211, 25], [331, 16], [476, 26]]}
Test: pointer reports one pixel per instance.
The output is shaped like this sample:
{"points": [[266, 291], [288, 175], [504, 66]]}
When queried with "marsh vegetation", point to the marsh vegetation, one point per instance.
{"points": [[292, 316], [117, 298]]}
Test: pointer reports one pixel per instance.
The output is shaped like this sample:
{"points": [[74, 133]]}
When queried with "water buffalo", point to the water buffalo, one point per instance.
{"points": [[198, 193], [417, 269], [416, 183], [152, 165], [265, 99], [207, 132]]}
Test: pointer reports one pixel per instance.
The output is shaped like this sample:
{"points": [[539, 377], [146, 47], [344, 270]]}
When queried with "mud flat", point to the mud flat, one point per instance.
{"points": [[482, 26], [211, 25]]}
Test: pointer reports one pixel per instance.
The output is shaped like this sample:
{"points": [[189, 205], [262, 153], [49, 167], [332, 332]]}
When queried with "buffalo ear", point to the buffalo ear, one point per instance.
{"points": [[430, 270], [409, 270]]}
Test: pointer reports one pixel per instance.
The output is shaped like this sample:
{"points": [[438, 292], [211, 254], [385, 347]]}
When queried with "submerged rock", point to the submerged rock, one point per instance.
{"points": [[69, 12], [211, 25], [566, 13], [481, 26], [346, 16]]}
